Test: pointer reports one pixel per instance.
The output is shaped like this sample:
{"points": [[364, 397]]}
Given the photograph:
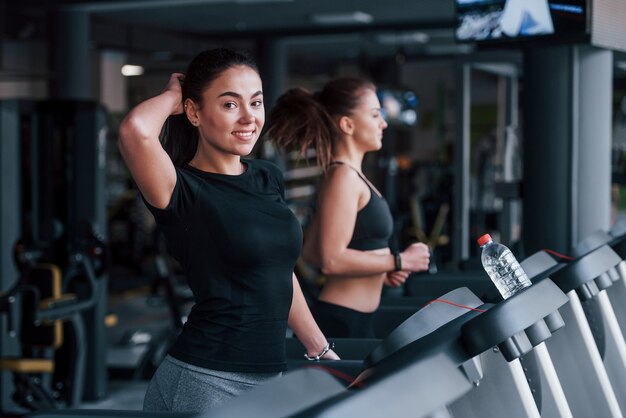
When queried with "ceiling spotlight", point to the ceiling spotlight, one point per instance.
{"points": [[449, 49], [132, 70], [403, 38], [347, 18]]}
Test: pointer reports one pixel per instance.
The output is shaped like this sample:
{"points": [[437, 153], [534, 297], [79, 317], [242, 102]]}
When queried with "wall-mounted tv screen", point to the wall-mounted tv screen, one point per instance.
{"points": [[502, 20], [399, 106]]}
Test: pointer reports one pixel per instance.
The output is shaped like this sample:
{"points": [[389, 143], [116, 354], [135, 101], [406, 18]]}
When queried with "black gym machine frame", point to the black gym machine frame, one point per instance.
{"points": [[54, 207]]}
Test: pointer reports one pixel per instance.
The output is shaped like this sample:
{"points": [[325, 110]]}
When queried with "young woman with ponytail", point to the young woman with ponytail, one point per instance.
{"points": [[225, 220], [349, 235]]}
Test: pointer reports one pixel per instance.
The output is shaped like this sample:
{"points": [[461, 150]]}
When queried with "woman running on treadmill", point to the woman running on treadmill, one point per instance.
{"points": [[349, 235]]}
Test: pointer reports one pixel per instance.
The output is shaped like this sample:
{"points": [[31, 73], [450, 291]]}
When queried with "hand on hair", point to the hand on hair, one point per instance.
{"points": [[174, 86]]}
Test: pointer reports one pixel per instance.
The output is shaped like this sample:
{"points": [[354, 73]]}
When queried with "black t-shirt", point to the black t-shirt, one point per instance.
{"points": [[237, 243]]}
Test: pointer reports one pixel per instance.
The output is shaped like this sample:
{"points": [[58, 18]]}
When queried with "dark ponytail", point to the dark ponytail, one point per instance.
{"points": [[178, 136], [298, 122], [179, 139], [302, 120]]}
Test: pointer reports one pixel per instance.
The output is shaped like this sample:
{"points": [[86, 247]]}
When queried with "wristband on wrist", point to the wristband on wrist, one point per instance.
{"points": [[397, 260], [326, 349]]}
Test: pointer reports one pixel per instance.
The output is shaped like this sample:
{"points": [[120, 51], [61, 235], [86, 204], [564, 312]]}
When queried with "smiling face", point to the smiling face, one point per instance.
{"points": [[232, 113]]}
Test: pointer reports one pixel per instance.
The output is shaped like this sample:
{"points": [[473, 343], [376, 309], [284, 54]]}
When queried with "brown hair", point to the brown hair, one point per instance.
{"points": [[179, 136], [301, 119]]}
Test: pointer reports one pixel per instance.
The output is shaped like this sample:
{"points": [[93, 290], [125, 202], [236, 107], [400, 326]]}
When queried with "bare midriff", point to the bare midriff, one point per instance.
{"points": [[361, 293]]}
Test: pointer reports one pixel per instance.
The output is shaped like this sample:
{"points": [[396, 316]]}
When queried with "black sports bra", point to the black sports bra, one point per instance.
{"points": [[374, 223]]}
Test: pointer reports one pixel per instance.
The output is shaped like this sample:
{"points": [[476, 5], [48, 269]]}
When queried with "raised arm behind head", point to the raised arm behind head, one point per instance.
{"points": [[149, 164], [163, 131]]}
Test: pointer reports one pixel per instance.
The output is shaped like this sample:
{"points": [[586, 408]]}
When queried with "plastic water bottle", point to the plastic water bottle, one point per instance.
{"points": [[502, 267]]}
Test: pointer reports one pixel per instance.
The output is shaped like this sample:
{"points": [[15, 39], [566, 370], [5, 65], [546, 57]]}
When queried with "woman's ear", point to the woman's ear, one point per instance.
{"points": [[345, 125], [191, 110]]}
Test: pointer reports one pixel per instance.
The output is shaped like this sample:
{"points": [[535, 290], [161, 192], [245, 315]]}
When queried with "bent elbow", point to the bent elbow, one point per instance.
{"points": [[131, 131], [329, 267]]}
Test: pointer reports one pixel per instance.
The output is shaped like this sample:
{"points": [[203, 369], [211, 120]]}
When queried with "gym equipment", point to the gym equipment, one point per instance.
{"points": [[42, 298], [442, 358], [466, 331], [432, 286], [420, 389], [56, 150], [352, 352], [313, 392], [589, 383], [486, 346], [10, 216]]}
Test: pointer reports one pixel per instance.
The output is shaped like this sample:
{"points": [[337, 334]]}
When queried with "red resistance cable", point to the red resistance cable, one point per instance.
{"points": [[357, 382], [561, 256], [341, 375], [449, 302]]}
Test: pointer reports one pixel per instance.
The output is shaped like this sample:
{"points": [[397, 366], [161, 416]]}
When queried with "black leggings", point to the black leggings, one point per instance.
{"points": [[341, 322]]}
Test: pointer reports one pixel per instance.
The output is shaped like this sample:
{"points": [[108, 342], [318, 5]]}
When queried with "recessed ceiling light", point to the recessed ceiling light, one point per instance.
{"points": [[403, 38], [132, 70], [449, 49], [342, 18]]}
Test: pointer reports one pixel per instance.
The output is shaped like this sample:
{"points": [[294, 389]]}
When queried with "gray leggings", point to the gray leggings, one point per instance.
{"points": [[181, 387]]}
